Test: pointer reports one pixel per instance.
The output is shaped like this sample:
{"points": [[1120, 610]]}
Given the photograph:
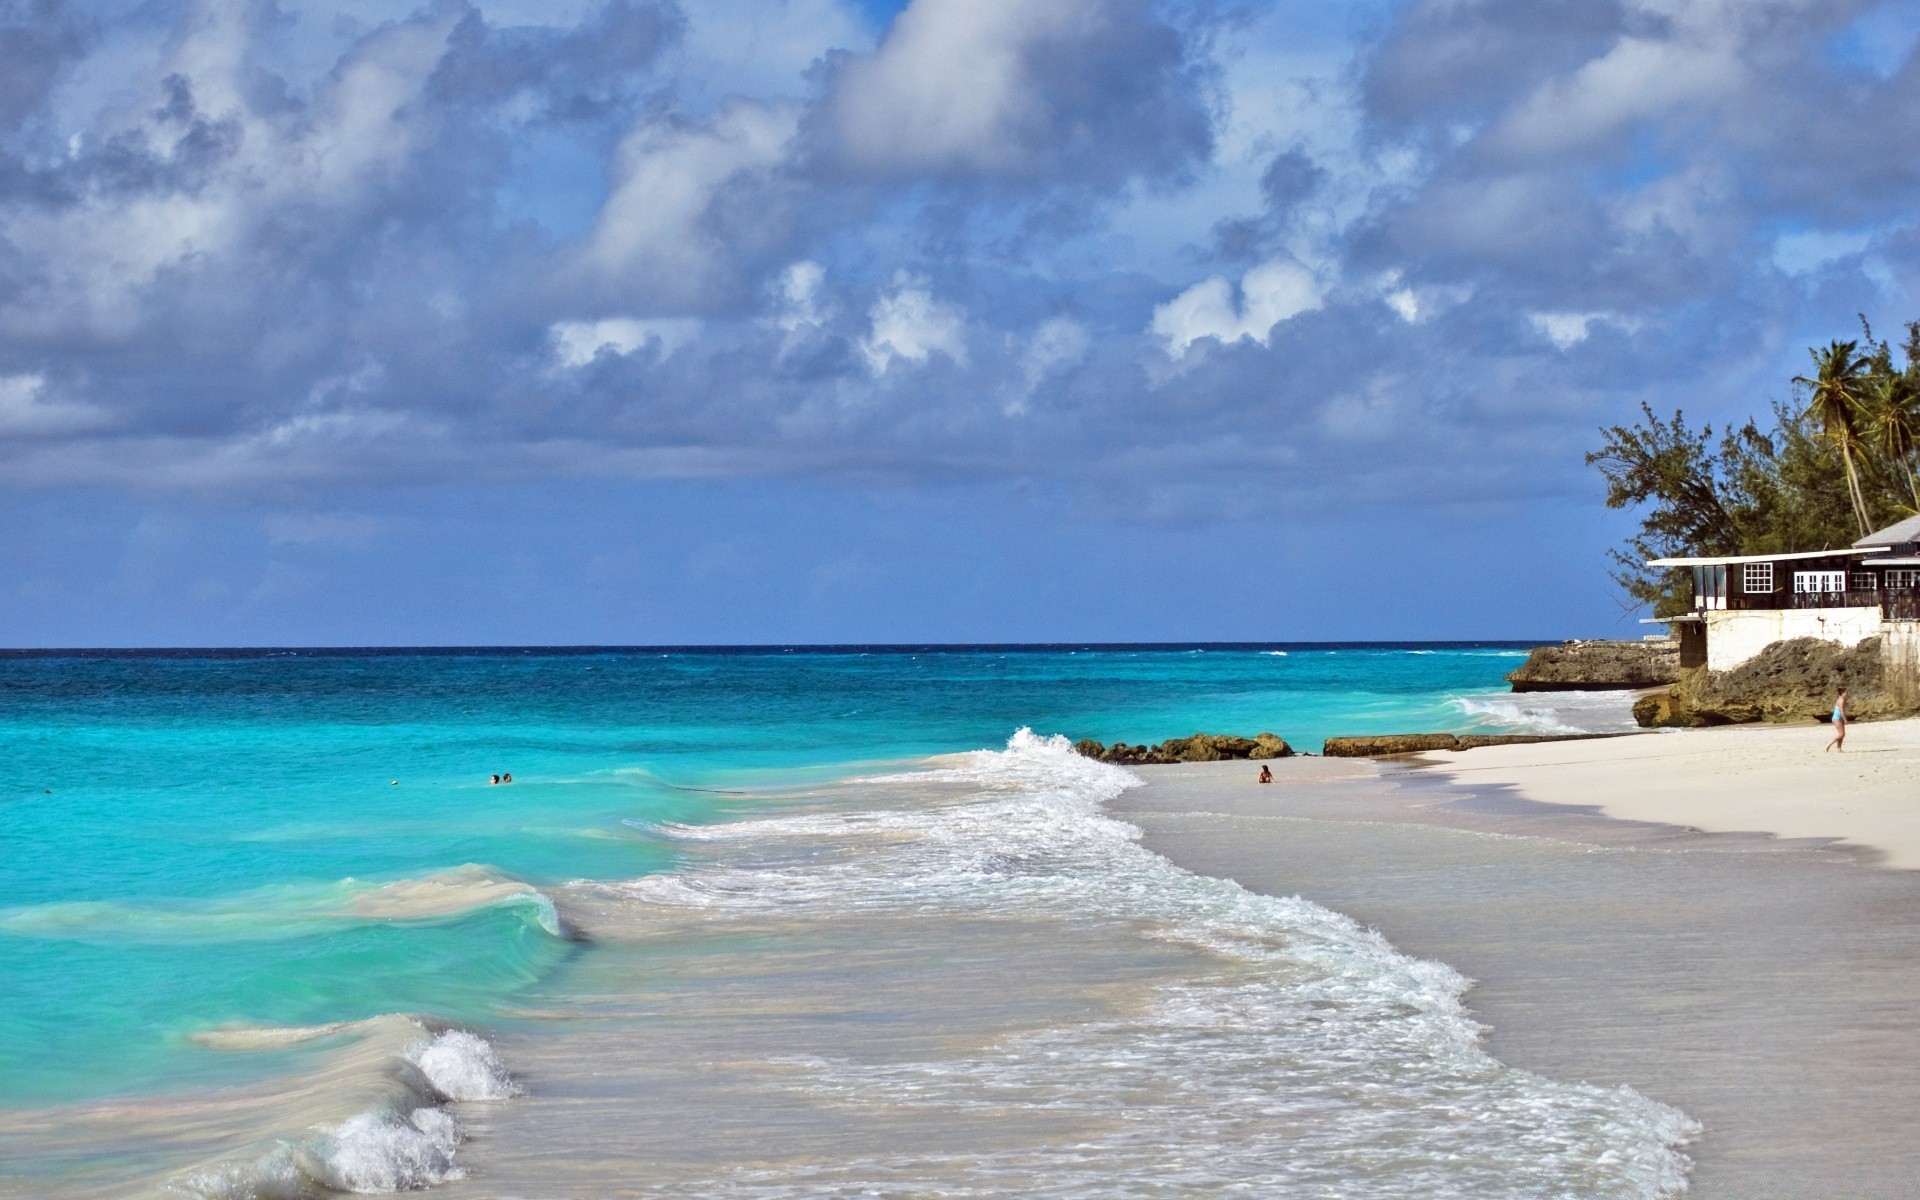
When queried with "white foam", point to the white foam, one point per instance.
{"points": [[405, 1143], [463, 1066], [1318, 1049], [1549, 712], [389, 1153]]}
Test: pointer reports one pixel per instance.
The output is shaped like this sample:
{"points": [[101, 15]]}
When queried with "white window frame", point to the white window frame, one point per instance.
{"points": [[1862, 581], [1816, 582], [1756, 579], [1902, 577]]}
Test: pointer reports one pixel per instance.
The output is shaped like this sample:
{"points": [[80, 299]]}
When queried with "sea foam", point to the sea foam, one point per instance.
{"points": [[1313, 1058], [404, 1142]]}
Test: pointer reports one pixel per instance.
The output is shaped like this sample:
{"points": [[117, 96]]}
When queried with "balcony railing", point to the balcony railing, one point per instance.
{"points": [[1779, 600], [1900, 604]]}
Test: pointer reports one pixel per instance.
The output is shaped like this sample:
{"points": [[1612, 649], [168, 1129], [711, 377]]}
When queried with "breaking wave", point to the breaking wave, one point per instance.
{"points": [[1549, 712], [403, 1141]]}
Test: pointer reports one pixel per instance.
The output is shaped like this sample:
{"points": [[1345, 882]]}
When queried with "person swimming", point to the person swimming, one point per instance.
{"points": [[506, 777], [492, 779]]}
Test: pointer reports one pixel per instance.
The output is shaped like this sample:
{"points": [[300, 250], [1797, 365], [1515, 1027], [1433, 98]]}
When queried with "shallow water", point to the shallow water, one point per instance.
{"points": [[731, 931]]}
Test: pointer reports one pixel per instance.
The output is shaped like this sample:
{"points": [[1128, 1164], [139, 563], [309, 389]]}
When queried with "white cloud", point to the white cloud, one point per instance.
{"points": [[800, 297], [1805, 253], [26, 412], [577, 343], [950, 86], [1638, 77], [1568, 329], [910, 324], [101, 256], [1269, 294], [1058, 342], [667, 176]]}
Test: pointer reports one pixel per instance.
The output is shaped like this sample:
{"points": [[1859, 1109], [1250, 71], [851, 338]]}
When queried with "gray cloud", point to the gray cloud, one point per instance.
{"points": [[461, 248], [1099, 91]]}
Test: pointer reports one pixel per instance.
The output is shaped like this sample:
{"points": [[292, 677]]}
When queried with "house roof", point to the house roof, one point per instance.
{"points": [[1893, 535], [1731, 560]]}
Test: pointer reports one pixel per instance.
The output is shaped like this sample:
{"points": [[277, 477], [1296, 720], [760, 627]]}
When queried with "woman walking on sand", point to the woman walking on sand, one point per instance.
{"points": [[1839, 723]]}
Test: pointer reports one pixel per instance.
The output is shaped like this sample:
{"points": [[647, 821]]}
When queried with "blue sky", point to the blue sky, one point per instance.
{"points": [[867, 321]]}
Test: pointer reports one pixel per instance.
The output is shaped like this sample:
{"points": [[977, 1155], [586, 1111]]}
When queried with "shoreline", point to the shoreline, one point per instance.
{"points": [[1767, 779], [1767, 986]]}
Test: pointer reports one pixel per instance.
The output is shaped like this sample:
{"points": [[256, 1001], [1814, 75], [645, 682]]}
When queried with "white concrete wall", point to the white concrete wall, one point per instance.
{"points": [[1735, 637], [1900, 659]]}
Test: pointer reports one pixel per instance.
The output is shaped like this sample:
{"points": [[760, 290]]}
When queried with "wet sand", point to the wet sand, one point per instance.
{"points": [[1769, 987]]}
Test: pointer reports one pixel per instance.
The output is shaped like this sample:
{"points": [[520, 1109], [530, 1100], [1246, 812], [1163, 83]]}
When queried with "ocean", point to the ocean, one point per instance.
{"points": [[761, 922]]}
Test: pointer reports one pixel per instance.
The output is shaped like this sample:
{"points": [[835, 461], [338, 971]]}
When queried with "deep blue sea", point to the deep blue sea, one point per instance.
{"points": [[193, 842]]}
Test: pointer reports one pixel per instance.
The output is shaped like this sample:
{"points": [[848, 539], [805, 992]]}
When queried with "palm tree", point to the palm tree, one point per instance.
{"points": [[1893, 424], [1836, 394]]}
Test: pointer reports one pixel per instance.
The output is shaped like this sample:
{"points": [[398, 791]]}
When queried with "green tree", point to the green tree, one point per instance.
{"points": [[1836, 395], [1673, 472], [1892, 427]]}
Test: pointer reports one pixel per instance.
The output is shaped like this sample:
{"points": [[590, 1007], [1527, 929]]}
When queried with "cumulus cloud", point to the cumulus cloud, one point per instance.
{"points": [[1269, 294], [909, 324], [1100, 90], [577, 343], [667, 228], [627, 239]]}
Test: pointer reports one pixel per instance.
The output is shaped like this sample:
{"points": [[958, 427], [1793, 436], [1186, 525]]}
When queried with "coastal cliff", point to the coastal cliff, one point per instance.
{"points": [[1598, 666], [1788, 681]]}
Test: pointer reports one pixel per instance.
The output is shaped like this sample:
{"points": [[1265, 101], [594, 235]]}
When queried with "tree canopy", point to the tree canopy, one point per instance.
{"points": [[1836, 463]]}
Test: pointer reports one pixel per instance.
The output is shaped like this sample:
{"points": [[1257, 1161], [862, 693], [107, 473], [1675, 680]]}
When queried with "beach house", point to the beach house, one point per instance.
{"points": [[1744, 603]]}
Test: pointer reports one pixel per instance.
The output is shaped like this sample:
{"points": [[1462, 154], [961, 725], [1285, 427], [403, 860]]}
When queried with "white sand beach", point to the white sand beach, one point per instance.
{"points": [[1767, 986], [1742, 778]]}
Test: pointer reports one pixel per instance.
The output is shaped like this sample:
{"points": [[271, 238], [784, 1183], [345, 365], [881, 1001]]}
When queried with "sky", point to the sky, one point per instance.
{"points": [[774, 321]]}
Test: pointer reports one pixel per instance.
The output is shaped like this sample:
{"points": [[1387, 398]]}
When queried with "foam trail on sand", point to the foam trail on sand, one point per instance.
{"points": [[1311, 1058]]}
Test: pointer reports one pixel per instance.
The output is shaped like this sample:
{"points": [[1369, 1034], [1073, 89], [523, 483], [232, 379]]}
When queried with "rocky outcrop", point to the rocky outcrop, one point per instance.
{"points": [[1201, 747], [1416, 743], [1598, 666], [1788, 681]]}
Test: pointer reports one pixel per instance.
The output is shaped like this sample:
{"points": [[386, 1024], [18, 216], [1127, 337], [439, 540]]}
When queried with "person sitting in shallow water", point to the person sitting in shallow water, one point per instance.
{"points": [[1266, 773]]}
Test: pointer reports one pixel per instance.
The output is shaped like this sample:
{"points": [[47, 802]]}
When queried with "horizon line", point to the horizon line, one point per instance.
{"points": [[749, 647]]}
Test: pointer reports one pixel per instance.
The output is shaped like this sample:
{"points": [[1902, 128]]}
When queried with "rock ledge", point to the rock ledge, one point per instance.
{"points": [[1201, 747], [1416, 743], [1598, 666], [1788, 681]]}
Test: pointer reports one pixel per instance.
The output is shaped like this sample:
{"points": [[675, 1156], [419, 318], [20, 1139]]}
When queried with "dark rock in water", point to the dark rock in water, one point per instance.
{"points": [[1417, 743], [1788, 681], [1201, 747], [1598, 666]]}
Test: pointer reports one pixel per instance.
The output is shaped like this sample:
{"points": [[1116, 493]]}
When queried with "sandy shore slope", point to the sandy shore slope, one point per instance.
{"points": [[1774, 779], [1770, 987]]}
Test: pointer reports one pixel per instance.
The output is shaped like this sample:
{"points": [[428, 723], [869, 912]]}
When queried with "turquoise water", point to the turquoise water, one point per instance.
{"points": [[199, 841]]}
